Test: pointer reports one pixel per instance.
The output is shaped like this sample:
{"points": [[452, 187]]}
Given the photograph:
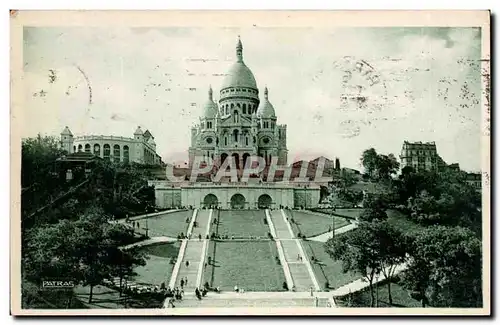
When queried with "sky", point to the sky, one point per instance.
{"points": [[108, 81]]}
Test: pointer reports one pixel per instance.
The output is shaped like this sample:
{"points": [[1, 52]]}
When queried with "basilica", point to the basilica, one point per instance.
{"points": [[240, 124]]}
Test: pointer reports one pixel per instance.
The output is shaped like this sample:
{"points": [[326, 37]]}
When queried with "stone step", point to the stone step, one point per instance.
{"points": [[206, 302], [301, 277], [280, 226], [291, 250]]}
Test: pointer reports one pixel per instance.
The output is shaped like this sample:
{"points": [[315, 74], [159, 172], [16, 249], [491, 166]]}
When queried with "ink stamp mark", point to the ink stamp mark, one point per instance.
{"points": [[363, 93]]}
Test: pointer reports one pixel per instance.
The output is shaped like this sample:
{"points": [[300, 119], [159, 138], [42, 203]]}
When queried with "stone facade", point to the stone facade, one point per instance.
{"points": [[240, 123], [141, 148], [236, 196]]}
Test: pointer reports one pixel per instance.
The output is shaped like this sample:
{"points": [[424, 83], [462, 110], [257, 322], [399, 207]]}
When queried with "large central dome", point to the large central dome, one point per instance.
{"points": [[239, 75]]}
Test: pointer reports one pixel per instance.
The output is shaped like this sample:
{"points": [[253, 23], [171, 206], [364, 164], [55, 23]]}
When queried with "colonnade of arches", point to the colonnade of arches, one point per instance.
{"points": [[238, 201], [117, 153]]}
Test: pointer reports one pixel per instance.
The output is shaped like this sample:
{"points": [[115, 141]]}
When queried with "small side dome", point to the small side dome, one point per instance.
{"points": [[138, 131], [266, 109], [66, 131], [210, 107]]}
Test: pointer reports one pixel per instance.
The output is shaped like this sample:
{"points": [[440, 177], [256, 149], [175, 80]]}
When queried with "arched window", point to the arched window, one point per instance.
{"points": [[74, 148], [87, 148], [97, 150], [236, 120], [235, 135], [107, 151], [244, 108], [80, 148], [125, 154], [225, 140], [116, 153], [246, 141]]}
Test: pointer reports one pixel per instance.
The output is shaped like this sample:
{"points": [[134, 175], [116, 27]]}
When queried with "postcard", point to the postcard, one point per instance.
{"points": [[250, 163]]}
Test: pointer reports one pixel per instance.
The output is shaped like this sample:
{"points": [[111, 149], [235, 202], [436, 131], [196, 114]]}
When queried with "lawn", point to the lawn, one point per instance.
{"points": [[313, 224], [169, 224], [400, 297], [249, 264], [242, 223], [401, 221], [349, 213], [159, 266], [326, 269]]}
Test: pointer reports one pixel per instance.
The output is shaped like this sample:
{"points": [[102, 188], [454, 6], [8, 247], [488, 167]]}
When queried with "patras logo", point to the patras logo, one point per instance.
{"points": [[58, 284]]}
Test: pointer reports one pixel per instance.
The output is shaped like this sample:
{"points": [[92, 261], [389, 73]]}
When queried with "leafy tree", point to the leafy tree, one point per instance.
{"points": [[375, 209], [393, 251], [379, 166], [445, 267], [349, 195], [37, 157], [359, 251], [86, 251], [369, 159], [387, 165]]}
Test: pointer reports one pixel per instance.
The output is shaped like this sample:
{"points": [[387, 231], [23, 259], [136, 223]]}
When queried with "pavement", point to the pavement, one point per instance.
{"points": [[150, 241], [327, 235]]}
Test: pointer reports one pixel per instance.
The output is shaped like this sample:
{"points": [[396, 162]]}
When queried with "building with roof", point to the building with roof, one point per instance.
{"points": [[141, 148], [241, 123], [422, 156]]}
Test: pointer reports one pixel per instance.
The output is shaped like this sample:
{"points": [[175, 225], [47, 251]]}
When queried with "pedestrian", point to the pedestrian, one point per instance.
{"points": [[182, 283], [186, 281], [312, 292], [298, 257], [187, 263]]}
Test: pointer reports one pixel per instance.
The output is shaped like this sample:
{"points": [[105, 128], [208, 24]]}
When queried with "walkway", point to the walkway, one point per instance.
{"points": [[195, 252], [255, 299], [298, 264], [281, 253], [361, 284], [327, 235], [280, 226], [149, 215], [150, 241], [182, 253]]}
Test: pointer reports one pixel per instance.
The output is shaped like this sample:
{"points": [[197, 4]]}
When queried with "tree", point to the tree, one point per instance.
{"points": [[369, 160], [375, 209], [378, 166], [445, 268], [386, 166], [37, 157], [122, 262], [393, 251], [359, 251]]}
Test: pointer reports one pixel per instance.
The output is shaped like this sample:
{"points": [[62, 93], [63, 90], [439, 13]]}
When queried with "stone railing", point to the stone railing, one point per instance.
{"points": [[102, 137]]}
